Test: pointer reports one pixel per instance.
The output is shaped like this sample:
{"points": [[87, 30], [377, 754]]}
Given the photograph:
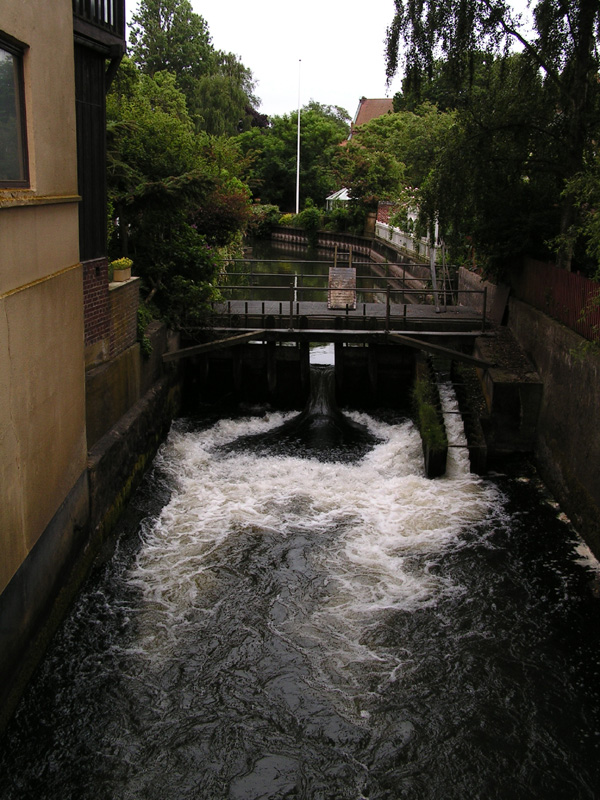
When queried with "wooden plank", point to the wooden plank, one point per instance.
{"points": [[218, 344], [438, 350]]}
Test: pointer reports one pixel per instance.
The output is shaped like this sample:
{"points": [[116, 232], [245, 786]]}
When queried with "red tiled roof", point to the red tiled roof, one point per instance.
{"points": [[370, 109]]}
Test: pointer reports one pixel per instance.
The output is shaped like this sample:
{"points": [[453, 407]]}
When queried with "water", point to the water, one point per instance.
{"points": [[278, 266], [281, 624]]}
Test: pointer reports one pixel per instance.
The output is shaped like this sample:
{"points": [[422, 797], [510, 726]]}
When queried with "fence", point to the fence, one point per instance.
{"points": [[565, 296], [419, 247]]}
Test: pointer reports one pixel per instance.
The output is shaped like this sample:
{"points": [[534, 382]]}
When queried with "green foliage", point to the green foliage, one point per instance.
{"points": [[287, 219], [144, 318], [310, 219], [273, 155], [416, 139], [167, 36], [121, 263], [176, 198], [262, 219], [583, 189], [370, 174], [346, 218], [222, 212], [526, 126]]}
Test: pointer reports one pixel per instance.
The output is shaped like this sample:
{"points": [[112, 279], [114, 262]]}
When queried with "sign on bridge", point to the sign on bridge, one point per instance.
{"points": [[342, 287]]}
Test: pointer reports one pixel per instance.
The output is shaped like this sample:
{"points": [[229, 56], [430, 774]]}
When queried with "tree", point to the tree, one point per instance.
{"points": [[273, 152], [414, 138], [563, 49], [175, 195], [497, 178], [369, 174], [222, 101], [167, 35]]}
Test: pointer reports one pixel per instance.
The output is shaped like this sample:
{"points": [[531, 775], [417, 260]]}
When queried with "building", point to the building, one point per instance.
{"points": [[370, 109], [55, 65]]}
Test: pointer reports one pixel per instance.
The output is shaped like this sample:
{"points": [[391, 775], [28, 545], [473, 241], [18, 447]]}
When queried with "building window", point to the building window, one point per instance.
{"points": [[14, 167]]}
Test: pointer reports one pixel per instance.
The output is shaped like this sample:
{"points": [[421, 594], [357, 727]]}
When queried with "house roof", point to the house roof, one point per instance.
{"points": [[341, 194], [370, 109]]}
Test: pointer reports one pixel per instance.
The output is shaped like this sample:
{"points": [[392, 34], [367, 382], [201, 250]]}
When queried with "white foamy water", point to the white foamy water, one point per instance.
{"points": [[374, 528]]}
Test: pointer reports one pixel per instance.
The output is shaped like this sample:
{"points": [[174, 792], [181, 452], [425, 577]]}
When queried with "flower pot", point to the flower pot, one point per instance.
{"points": [[121, 275]]}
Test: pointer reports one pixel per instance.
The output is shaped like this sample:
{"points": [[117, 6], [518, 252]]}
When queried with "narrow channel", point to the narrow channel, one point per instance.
{"points": [[294, 611]]}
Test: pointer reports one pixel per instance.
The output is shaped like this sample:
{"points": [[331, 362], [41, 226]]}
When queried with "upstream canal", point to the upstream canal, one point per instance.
{"points": [[294, 611]]}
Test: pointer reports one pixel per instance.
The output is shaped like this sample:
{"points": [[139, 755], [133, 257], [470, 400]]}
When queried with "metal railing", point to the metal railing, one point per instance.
{"points": [[287, 299]]}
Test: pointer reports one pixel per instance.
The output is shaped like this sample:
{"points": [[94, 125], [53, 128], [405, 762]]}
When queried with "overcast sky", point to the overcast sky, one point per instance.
{"points": [[340, 46]]}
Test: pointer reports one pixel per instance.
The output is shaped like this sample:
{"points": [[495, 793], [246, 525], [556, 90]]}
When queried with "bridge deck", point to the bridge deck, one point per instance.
{"points": [[255, 313]]}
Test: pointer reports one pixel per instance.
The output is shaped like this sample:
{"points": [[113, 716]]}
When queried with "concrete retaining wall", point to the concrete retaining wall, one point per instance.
{"points": [[125, 440], [567, 444]]}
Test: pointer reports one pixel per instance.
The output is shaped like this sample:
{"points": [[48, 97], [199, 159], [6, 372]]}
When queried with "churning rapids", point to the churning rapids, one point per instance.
{"points": [[304, 615]]}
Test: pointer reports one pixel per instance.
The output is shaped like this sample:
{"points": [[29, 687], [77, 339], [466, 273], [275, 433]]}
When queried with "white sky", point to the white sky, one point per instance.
{"points": [[340, 45]]}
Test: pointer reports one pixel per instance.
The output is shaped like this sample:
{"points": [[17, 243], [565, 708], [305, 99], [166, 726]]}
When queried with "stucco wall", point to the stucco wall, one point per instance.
{"points": [[49, 90], [567, 445], [42, 398]]}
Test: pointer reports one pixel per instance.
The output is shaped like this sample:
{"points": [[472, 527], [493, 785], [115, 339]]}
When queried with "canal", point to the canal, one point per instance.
{"points": [[293, 611], [276, 267]]}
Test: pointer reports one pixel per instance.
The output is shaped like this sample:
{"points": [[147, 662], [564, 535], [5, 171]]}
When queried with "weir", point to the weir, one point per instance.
{"points": [[285, 616]]}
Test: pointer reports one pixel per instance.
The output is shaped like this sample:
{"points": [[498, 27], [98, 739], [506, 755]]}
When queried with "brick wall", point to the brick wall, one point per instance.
{"points": [[124, 301], [383, 212], [95, 301]]}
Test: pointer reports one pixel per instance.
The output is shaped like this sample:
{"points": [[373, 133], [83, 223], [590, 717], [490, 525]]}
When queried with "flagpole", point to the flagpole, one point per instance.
{"points": [[298, 151]]}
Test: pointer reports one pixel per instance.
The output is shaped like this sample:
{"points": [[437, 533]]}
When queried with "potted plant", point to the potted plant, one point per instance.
{"points": [[121, 269]]}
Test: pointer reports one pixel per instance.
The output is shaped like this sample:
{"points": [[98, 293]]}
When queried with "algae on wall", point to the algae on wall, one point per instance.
{"points": [[430, 420]]}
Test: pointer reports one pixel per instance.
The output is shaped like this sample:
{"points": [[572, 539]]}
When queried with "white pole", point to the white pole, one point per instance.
{"points": [[432, 267], [298, 152]]}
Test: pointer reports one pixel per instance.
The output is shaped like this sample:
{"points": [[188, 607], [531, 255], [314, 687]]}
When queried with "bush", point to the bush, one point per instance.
{"points": [[310, 220], [346, 219], [262, 219]]}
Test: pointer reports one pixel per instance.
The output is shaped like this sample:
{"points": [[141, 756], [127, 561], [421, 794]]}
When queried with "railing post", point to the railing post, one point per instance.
{"points": [[291, 306]]}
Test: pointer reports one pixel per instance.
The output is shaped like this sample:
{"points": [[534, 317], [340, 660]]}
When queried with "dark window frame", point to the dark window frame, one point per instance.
{"points": [[18, 49]]}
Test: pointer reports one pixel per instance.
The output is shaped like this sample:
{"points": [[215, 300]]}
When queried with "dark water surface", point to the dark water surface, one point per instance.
{"points": [[281, 625]]}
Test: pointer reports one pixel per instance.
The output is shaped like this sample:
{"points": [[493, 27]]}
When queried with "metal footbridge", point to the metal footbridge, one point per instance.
{"points": [[393, 308]]}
